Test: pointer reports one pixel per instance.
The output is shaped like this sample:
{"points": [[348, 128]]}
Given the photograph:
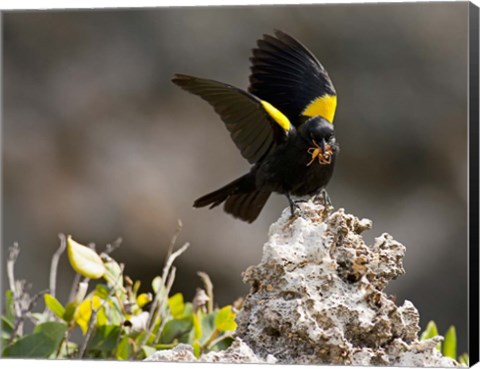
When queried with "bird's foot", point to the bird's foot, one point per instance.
{"points": [[296, 212], [294, 206], [323, 199], [300, 201]]}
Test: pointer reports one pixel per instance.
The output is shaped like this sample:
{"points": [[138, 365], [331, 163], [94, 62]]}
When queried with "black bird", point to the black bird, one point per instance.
{"points": [[283, 126]]}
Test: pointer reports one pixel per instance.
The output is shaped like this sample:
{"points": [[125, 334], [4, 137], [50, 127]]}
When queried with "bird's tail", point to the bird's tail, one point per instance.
{"points": [[242, 199]]}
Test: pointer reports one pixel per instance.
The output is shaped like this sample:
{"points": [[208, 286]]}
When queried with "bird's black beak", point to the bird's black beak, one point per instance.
{"points": [[322, 145]]}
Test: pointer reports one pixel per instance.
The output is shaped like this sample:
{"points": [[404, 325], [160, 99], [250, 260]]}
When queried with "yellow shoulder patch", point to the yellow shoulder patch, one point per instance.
{"points": [[323, 106], [276, 115]]}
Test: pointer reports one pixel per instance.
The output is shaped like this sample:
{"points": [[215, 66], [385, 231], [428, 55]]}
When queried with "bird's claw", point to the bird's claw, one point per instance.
{"points": [[294, 206], [297, 208], [323, 199]]}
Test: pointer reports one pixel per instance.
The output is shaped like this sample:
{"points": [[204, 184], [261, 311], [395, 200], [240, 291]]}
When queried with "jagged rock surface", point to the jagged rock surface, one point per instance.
{"points": [[238, 352], [317, 296]]}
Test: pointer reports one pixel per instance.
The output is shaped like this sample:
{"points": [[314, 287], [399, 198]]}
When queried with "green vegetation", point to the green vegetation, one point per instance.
{"points": [[115, 320], [449, 346]]}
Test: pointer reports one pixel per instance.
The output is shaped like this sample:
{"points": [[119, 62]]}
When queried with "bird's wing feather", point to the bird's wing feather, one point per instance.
{"points": [[286, 74], [255, 125]]}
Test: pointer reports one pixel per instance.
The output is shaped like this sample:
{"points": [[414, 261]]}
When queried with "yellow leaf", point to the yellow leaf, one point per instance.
{"points": [[144, 299], [197, 327], [54, 305], [225, 319], [176, 305], [84, 260], [84, 312], [97, 302], [197, 349], [102, 318]]}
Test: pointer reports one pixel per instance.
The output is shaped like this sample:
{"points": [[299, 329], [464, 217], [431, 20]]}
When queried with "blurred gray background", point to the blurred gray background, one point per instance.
{"points": [[98, 143]]}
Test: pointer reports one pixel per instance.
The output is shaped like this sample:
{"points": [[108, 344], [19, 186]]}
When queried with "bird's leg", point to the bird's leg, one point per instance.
{"points": [[293, 205], [323, 199]]}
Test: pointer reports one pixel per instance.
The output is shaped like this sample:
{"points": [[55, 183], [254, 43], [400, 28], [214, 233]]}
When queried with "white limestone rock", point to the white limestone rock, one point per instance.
{"points": [[180, 353], [317, 296], [238, 352]]}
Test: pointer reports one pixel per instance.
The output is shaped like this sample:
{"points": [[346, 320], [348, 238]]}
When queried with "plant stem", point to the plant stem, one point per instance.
{"points": [[93, 317], [210, 339], [160, 293], [208, 288], [23, 315], [54, 264], [12, 258]]}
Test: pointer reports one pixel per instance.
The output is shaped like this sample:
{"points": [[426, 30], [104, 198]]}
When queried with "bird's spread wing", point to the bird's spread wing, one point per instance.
{"points": [[287, 75], [255, 125]]}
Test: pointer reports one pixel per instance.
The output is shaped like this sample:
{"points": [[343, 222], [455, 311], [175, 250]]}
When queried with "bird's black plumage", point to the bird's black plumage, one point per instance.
{"points": [[283, 125], [287, 75]]}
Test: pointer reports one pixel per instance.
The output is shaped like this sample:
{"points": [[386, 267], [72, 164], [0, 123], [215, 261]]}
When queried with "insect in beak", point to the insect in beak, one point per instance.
{"points": [[324, 153]]}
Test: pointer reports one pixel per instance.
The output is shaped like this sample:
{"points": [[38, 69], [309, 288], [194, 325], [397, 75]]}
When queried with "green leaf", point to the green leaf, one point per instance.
{"points": [[9, 308], [225, 319], [102, 291], [208, 326], [176, 305], [7, 325], [156, 326], [197, 327], [113, 274], [188, 309], [450, 343], [52, 330], [223, 344], [70, 311], [6, 329], [39, 318], [114, 314], [30, 346], [176, 329], [124, 349], [464, 359], [42, 343], [430, 332], [105, 338], [148, 350], [67, 350], [139, 338], [54, 305], [165, 346], [84, 260], [197, 349]]}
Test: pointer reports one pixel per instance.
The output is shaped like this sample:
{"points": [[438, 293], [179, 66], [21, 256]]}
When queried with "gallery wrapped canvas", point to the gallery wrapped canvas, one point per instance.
{"points": [[282, 184]]}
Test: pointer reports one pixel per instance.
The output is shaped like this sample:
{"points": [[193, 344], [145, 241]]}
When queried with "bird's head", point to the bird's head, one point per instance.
{"points": [[320, 135]]}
